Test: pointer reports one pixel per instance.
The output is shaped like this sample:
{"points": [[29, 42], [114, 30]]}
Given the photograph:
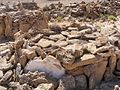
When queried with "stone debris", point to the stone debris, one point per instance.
{"points": [[59, 47], [45, 87]]}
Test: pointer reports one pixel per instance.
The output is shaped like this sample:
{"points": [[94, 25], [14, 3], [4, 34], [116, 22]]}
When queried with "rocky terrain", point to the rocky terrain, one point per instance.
{"points": [[60, 47]]}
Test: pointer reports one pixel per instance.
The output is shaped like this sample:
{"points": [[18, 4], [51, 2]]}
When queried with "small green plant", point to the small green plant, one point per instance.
{"points": [[111, 17], [59, 18]]}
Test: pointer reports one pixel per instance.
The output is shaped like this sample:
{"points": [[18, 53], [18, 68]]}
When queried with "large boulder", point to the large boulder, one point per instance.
{"points": [[50, 65]]}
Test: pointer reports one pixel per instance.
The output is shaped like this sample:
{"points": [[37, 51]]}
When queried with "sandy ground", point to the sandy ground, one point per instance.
{"points": [[41, 3]]}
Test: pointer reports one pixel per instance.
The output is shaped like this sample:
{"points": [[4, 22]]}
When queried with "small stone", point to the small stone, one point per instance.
{"points": [[40, 52], [3, 88], [74, 36], [73, 28], [37, 38], [6, 77], [1, 74], [45, 43], [116, 87], [60, 43], [86, 31], [67, 83], [91, 47], [18, 44], [4, 65], [65, 33], [72, 41], [56, 28], [5, 52], [100, 41], [57, 37], [45, 86], [30, 54], [12, 59], [103, 49], [23, 60], [18, 69], [87, 57]]}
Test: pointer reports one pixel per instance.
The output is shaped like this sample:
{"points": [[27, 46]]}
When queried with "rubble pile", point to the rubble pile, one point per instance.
{"points": [[81, 11], [66, 55]]}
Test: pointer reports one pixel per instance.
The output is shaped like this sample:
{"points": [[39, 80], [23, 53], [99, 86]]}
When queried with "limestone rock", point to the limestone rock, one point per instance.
{"points": [[45, 86], [1, 74], [4, 65], [30, 54], [12, 59], [57, 37], [72, 28], [45, 43], [37, 38], [5, 52], [53, 68], [60, 43], [3, 88], [23, 60], [6, 77], [40, 52], [85, 60], [103, 49]]}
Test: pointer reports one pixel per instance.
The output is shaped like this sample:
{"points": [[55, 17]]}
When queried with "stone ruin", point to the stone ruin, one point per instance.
{"points": [[63, 55]]}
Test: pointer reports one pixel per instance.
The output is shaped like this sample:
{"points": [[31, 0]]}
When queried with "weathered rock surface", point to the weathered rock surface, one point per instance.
{"points": [[53, 68]]}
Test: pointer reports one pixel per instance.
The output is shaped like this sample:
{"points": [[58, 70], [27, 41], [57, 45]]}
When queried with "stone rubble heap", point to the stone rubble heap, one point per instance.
{"points": [[56, 56], [81, 11]]}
